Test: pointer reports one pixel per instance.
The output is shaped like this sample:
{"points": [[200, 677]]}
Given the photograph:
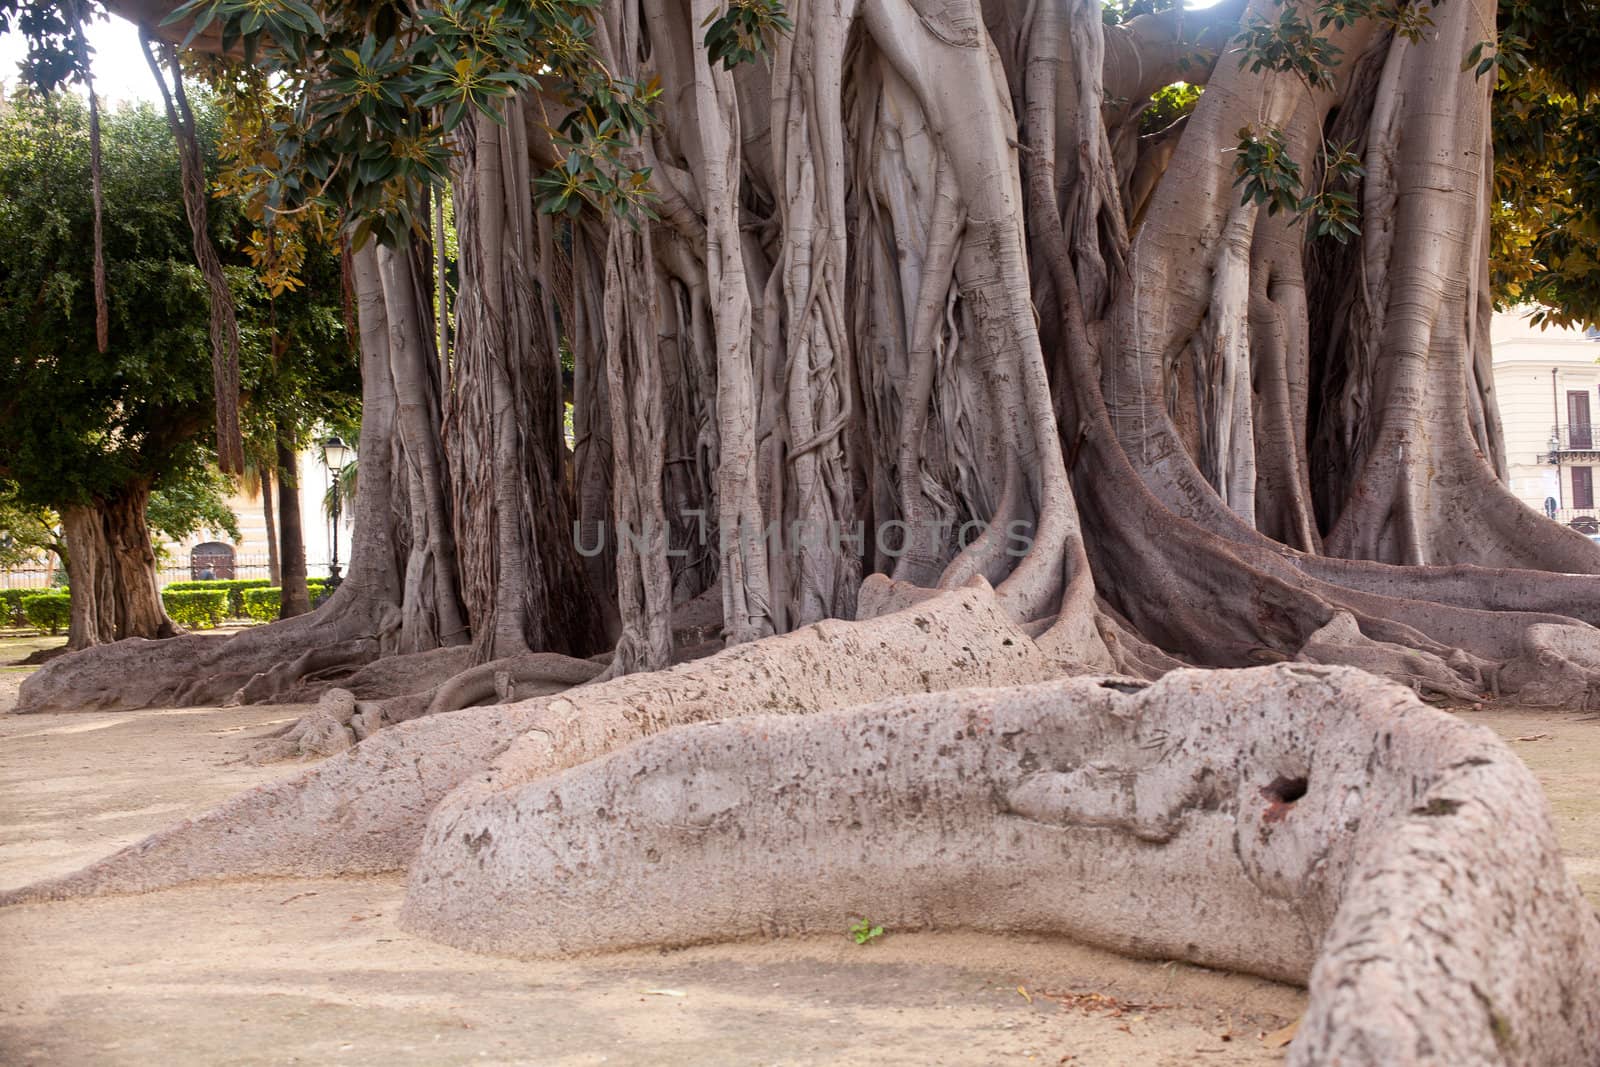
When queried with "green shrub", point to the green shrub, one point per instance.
{"points": [[11, 613], [262, 604], [234, 587], [49, 612], [197, 609]]}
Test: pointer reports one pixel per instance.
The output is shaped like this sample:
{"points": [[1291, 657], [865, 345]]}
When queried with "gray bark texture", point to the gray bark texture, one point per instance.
{"points": [[365, 810], [1310, 824], [923, 304]]}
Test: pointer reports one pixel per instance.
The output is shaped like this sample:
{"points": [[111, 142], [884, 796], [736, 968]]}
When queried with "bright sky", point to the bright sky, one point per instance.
{"points": [[120, 72]]}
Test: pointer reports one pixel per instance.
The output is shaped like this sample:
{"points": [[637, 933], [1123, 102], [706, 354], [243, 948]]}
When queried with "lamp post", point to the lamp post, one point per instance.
{"points": [[335, 454]]}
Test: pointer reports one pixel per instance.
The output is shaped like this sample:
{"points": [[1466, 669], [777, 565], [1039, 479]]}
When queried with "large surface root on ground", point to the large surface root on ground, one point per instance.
{"points": [[390, 676], [364, 810], [194, 670], [342, 720], [1297, 822]]}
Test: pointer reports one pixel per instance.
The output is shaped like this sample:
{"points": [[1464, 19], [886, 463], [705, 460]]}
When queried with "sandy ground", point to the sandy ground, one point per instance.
{"points": [[300, 971]]}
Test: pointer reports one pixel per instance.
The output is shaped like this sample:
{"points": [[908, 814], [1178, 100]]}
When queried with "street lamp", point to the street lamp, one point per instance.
{"points": [[335, 454]]}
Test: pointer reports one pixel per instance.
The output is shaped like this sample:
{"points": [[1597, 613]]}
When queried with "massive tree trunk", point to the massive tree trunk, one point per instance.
{"points": [[920, 304], [111, 568], [920, 300], [274, 573], [523, 582], [293, 598]]}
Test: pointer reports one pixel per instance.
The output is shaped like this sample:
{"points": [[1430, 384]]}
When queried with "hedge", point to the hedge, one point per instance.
{"points": [[234, 587], [11, 612], [197, 609], [262, 604], [48, 611]]}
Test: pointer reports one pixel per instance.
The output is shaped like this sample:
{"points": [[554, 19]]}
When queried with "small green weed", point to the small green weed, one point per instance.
{"points": [[862, 931]]}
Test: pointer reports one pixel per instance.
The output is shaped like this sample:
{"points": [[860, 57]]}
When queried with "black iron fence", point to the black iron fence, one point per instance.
{"points": [[175, 569]]}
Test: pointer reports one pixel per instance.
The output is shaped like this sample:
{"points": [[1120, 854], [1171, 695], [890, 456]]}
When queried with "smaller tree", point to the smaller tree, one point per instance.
{"points": [[102, 437], [87, 433]]}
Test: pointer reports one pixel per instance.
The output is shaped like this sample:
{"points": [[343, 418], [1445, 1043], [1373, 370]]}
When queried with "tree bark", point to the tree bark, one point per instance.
{"points": [[111, 566], [274, 573], [523, 585], [293, 597]]}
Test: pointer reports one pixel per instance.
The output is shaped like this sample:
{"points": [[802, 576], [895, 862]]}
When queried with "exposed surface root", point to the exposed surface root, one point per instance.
{"points": [[1323, 824], [277, 681], [340, 720], [1341, 642], [391, 676], [364, 810], [192, 670]]}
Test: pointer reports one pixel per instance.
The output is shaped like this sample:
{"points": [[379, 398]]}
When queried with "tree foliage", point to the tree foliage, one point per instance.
{"points": [[193, 501], [27, 531], [376, 90], [77, 425], [1546, 233]]}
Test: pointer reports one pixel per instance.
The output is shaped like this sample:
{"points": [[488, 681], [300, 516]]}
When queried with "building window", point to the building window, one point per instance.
{"points": [[1579, 434], [1582, 487]]}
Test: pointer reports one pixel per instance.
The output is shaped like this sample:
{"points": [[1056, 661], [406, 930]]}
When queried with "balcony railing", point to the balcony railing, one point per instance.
{"points": [[1578, 437], [1584, 520]]}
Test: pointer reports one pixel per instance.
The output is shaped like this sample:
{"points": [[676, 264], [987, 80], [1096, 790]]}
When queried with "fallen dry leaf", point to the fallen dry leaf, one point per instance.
{"points": [[1280, 1038], [1107, 1006], [1025, 995]]}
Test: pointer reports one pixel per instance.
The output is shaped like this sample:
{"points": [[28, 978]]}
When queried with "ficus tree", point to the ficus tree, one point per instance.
{"points": [[88, 433], [910, 289], [115, 441]]}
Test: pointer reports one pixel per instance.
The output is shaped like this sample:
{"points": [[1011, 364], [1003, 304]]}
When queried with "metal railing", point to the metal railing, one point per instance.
{"points": [[167, 572], [1584, 520], [1577, 437]]}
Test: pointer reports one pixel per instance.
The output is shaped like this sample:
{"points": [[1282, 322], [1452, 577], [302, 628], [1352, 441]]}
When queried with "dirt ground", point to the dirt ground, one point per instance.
{"points": [[298, 971]]}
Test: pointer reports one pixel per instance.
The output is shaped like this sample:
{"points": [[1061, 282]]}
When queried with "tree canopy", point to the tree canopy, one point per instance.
{"points": [[77, 423], [1547, 159]]}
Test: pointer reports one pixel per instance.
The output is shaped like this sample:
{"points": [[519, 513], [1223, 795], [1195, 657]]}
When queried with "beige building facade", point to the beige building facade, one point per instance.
{"points": [[213, 554], [1548, 382]]}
